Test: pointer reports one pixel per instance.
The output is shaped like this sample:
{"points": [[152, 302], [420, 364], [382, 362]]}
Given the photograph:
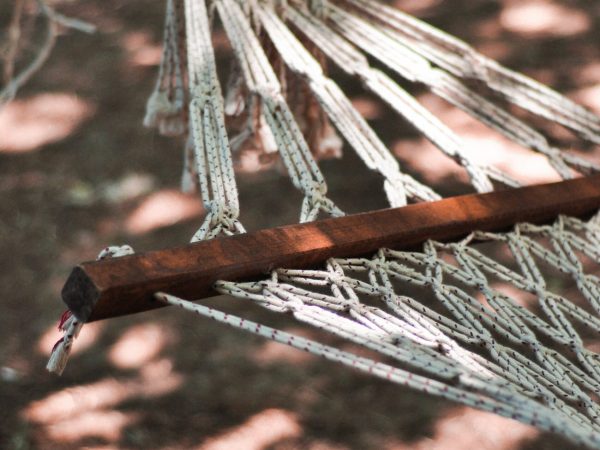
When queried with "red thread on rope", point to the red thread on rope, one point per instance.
{"points": [[63, 318], [57, 344]]}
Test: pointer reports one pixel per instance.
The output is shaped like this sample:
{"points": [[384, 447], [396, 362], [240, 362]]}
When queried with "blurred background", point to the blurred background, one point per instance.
{"points": [[78, 172]]}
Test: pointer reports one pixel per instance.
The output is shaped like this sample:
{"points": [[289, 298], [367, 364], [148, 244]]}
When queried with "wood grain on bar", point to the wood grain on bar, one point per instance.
{"points": [[119, 286]]}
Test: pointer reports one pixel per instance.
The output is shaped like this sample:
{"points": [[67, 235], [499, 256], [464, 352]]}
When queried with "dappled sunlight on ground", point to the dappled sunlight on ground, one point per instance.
{"points": [[368, 108], [484, 146], [142, 51], [107, 425], [253, 160], [129, 187], [543, 18], [494, 49], [524, 165], [155, 379], [523, 298], [589, 73], [163, 208], [590, 97], [421, 156], [258, 432], [272, 352], [466, 428], [27, 124], [416, 6], [139, 345], [88, 337], [324, 445], [75, 413]]}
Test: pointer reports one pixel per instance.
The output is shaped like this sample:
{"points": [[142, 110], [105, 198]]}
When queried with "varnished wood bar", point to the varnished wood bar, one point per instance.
{"points": [[114, 287]]}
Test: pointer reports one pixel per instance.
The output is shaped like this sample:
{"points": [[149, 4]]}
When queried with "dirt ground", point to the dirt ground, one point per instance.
{"points": [[78, 172]]}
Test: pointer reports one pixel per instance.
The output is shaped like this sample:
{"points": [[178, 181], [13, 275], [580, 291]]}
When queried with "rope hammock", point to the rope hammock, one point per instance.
{"points": [[438, 316]]}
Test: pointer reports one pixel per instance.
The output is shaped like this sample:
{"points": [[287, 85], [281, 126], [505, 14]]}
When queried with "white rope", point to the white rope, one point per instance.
{"points": [[214, 166], [339, 108], [166, 106], [262, 83]]}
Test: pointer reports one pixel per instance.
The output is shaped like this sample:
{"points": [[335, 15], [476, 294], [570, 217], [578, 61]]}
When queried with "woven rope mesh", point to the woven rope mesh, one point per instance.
{"points": [[497, 321], [450, 314]]}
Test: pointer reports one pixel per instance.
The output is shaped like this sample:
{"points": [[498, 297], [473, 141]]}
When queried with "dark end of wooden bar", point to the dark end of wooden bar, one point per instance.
{"points": [[126, 285], [80, 294]]}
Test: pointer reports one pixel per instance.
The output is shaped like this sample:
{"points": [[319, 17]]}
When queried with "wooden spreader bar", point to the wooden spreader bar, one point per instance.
{"points": [[114, 287]]}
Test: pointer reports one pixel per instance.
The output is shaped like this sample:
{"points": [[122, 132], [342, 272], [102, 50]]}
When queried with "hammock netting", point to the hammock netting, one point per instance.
{"points": [[507, 330]]}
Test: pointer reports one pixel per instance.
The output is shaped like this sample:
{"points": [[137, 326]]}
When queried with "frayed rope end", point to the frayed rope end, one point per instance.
{"points": [[58, 358], [61, 350]]}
